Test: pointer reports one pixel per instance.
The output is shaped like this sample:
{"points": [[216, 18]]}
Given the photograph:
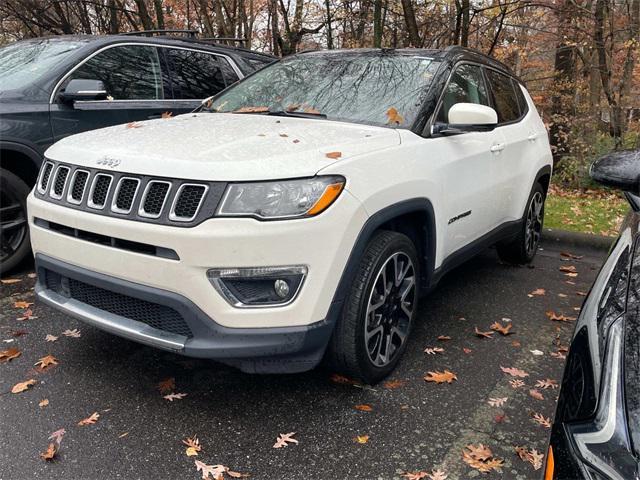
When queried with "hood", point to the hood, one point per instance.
{"points": [[223, 146]]}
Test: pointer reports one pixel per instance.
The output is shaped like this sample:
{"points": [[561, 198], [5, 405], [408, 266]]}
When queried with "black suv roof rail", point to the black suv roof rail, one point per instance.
{"points": [[190, 34]]}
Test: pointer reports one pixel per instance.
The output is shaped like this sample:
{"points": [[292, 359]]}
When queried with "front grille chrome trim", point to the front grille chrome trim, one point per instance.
{"points": [[72, 182], [90, 203], [114, 202], [176, 198], [141, 210], [47, 165], [54, 179]]}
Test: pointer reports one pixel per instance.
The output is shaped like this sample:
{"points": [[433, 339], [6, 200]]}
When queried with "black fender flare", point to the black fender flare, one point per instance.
{"points": [[31, 152]]}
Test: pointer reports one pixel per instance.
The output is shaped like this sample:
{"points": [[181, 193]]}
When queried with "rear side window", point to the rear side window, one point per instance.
{"points": [[195, 75], [504, 97], [257, 63], [465, 86], [522, 102], [129, 72]]}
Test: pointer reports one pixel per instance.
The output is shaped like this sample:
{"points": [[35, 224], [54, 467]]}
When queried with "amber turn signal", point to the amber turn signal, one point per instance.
{"points": [[328, 196], [548, 473]]}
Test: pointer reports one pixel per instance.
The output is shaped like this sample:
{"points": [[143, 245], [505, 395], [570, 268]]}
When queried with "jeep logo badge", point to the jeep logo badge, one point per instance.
{"points": [[108, 162]]}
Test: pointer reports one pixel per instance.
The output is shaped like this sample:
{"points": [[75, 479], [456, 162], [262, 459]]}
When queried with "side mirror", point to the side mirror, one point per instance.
{"points": [[467, 117], [82, 89], [618, 170]]}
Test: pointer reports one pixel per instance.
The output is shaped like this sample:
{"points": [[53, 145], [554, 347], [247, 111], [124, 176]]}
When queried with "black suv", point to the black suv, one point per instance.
{"points": [[57, 86]]}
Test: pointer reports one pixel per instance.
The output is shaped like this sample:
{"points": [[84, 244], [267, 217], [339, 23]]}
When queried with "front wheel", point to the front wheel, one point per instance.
{"points": [[379, 311], [14, 231], [522, 248]]}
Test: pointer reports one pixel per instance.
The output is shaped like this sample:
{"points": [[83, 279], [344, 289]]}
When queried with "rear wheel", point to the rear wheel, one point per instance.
{"points": [[14, 231], [371, 335], [522, 248]]}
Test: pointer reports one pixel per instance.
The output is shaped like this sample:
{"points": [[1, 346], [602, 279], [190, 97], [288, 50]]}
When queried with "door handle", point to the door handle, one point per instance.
{"points": [[498, 147], [532, 137]]}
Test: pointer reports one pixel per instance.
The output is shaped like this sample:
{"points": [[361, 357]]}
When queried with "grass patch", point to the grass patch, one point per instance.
{"points": [[592, 211]]}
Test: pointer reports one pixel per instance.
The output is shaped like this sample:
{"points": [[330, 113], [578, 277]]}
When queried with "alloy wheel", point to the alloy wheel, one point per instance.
{"points": [[534, 223], [13, 224], [390, 309]]}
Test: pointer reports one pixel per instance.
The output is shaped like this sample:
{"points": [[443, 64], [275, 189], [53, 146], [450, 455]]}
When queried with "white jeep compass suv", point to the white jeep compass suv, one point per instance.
{"points": [[300, 213]]}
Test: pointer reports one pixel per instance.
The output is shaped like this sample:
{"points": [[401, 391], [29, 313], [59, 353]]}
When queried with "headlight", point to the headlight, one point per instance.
{"points": [[304, 197]]}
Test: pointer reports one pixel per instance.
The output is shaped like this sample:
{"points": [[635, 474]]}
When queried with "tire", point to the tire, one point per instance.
{"points": [[371, 357], [522, 248], [14, 230]]}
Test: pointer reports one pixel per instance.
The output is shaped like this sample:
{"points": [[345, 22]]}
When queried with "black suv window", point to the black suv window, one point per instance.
{"points": [[129, 72], [196, 75], [504, 97], [466, 86]]}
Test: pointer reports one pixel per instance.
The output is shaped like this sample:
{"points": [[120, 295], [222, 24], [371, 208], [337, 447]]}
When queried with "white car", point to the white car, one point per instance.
{"points": [[300, 214]]}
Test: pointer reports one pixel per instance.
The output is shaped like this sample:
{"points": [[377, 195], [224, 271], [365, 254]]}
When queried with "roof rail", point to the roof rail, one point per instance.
{"points": [[148, 33], [241, 41]]}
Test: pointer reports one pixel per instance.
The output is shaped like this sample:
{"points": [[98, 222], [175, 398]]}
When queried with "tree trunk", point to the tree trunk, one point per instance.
{"points": [[327, 5], [157, 4], [377, 23], [410, 21]]}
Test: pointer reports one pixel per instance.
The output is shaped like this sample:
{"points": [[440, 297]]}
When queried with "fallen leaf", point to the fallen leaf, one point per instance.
{"points": [[571, 255], [122, 435], [514, 372], [233, 474], [540, 419], [133, 125], [284, 135], [50, 338], [441, 377], [216, 472], [497, 402], [284, 439], [392, 384], [27, 315], [547, 383], [536, 394], [334, 155], [516, 383], [393, 117], [174, 396], [364, 408], [57, 435], [538, 292], [568, 268], [75, 333], [433, 350], [22, 304], [251, 110], [438, 475], [558, 318], [21, 387], [166, 115], [50, 452], [10, 281], [9, 354], [46, 362], [504, 330], [571, 275], [483, 334], [559, 355], [481, 458], [362, 439], [43, 403], [341, 379], [581, 294], [90, 420], [533, 457], [467, 350], [500, 418], [415, 475], [444, 338], [562, 295], [515, 343], [537, 352], [167, 385], [193, 446]]}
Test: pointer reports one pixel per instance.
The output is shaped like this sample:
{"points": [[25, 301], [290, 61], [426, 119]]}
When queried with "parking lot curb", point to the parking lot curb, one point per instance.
{"points": [[577, 239]]}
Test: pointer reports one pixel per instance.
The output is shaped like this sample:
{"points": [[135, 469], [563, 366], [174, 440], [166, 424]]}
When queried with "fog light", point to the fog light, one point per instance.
{"points": [[258, 286]]}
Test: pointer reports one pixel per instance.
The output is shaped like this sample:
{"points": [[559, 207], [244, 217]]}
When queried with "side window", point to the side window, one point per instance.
{"points": [[465, 86], [504, 97], [195, 75], [522, 102], [129, 72]]}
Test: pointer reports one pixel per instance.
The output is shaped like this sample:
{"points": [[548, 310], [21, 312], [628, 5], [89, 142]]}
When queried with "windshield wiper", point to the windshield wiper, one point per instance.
{"points": [[284, 113]]}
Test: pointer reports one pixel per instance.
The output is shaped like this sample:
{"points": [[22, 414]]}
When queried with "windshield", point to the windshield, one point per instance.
{"points": [[374, 88], [23, 63]]}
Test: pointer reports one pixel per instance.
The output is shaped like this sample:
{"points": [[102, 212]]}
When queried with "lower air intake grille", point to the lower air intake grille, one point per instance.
{"points": [[157, 316]]}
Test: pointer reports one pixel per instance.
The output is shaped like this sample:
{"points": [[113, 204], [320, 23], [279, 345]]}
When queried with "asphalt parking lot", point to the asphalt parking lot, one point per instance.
{"points": [[344, 430]]}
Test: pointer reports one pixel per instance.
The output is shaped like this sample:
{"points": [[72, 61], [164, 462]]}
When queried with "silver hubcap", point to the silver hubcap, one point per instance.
{"points": [[534, 223], [390, 309]]}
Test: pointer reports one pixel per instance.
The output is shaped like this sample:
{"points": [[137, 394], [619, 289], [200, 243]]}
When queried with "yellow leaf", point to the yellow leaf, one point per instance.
{"points": [[21, 387]]}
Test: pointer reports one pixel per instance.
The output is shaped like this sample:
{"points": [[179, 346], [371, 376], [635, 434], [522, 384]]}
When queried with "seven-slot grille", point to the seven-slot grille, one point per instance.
{"points": [[135, 197]]}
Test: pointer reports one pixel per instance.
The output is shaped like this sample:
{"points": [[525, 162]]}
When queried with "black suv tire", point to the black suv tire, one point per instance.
{"points": [[350, 351], [523, 247], [15, 244]]}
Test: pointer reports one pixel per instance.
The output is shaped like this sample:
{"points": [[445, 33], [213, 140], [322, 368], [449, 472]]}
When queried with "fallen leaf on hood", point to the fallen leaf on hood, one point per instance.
{"points": [[27, 315], [284, 135], [538, 292], [362, 439], [311, 110], [10, 281], [45, 362], [364, 408], [558, 318], [392, 384], [50, 338], [251, 110], [547, 383], [9, 354], [43, 403], [174, 396], [444, 338], [284, 439], [216, 472], [514, 372], [133, 125], [544, 421], [75, 333], [21, 304], [167, 385], [333, 155], [497, 402], [441, 377], [482, 334], [533, 457], [481, 458], [22, 386], [516, 383], [536, 394], [90, 420], [393, 117], [57, 435], [166, 115], [193, 446], [433, 350], [50, 452], [504, 330]]}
